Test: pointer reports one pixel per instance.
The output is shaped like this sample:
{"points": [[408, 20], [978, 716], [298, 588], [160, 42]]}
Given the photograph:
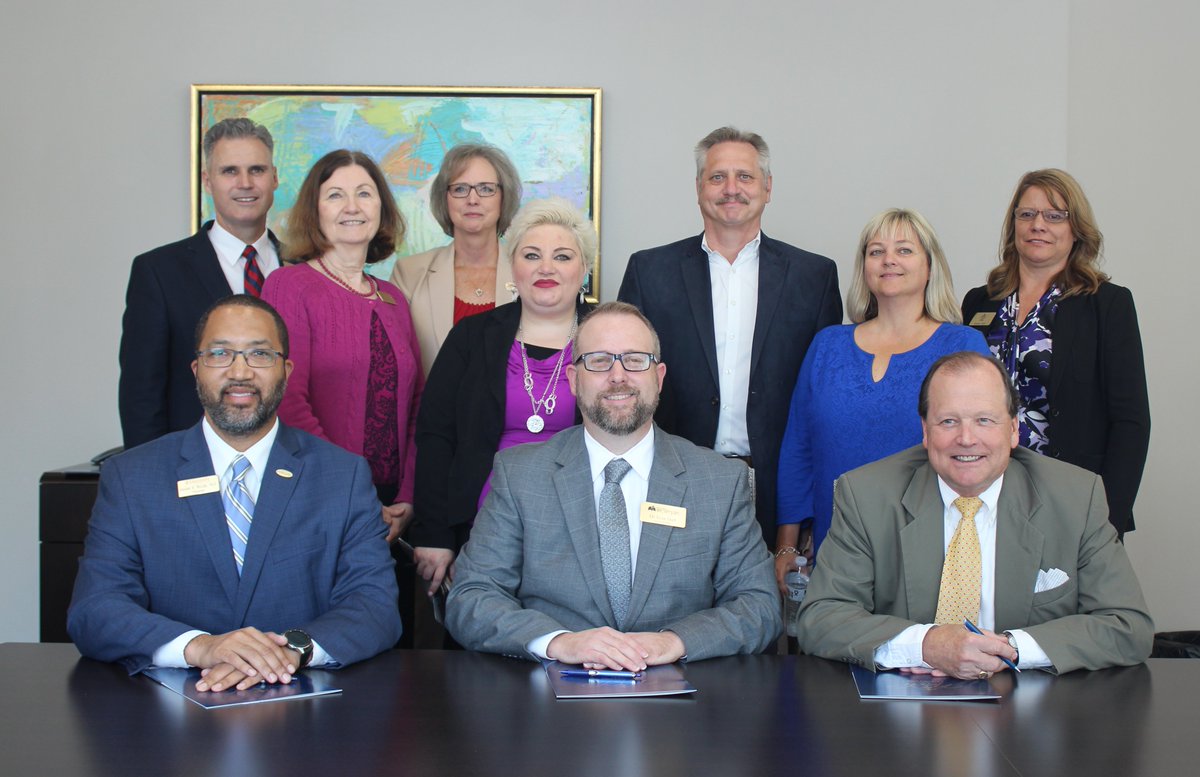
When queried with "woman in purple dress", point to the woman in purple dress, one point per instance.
{"points": [[500, 379]]}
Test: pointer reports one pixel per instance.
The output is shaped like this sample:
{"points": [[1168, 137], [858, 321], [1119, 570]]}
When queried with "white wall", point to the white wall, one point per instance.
{"points": [[1132, 141], [866, 105]]}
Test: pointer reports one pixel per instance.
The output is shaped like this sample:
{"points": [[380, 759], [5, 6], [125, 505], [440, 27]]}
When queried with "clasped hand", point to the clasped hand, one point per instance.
{"points": [[606, 648], [240, 659]]}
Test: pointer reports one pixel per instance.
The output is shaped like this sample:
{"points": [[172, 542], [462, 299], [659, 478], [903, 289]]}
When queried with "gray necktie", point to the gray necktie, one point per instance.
{"points": [[614, 540]]}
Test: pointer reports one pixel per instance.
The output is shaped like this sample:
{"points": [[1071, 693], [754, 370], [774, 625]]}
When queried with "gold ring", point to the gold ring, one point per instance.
{"points": [[983, 675]]}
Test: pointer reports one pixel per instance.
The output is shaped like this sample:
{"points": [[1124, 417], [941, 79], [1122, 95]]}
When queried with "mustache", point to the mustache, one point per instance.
{"points": [[738, 198], [239, 385]]}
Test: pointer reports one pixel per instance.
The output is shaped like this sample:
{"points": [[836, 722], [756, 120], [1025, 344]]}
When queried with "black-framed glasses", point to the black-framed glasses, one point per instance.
{"points": [[602, 361], [485, 189], [1051, 215], [258, 358]]}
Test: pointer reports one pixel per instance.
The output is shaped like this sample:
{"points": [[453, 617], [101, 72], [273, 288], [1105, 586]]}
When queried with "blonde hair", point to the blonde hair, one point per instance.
{"points": [[941, 304]]}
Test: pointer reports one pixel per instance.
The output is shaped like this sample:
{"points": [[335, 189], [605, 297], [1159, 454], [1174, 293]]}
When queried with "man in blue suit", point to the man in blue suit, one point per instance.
{"points": [[172, 285], [239, 546], [736, 311]]}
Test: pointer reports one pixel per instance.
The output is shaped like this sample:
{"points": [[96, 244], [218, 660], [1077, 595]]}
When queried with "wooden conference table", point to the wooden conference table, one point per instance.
{"points": [[455, 713]]}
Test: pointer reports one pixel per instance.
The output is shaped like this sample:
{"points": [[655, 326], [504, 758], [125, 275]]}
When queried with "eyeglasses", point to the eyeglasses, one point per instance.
{"points": [[602, 361], [486, 189], [1051, 216], [258, 358]]}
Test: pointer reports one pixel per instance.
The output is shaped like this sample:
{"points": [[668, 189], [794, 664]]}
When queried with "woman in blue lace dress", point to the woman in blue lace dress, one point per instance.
{"points": [[856, 398]]}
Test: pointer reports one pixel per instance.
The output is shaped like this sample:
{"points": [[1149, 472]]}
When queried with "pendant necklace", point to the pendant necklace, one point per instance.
{"points": [[535, 423]]}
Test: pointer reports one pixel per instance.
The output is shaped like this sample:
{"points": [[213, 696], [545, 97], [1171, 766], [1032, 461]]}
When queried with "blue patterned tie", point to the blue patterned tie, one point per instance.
{"points": [[239, 509], [614, 540]]}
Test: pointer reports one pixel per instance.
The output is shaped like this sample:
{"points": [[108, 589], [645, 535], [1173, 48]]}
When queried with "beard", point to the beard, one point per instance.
{"points": [[615, 423], [240, 422]]}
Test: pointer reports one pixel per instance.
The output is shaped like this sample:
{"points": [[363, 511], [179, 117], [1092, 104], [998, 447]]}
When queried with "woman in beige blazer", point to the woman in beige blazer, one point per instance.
{"points": [[475, 195]]}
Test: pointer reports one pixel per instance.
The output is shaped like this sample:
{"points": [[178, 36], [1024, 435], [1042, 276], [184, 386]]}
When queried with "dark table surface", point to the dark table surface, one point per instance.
{"points": [[457, 713]]}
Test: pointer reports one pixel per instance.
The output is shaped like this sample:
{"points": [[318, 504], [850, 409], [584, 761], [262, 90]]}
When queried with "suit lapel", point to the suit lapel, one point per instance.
{"points": [[573, 482], [207, 510], [665, 488], [772, 271], [922, 542], [203, 259], [1018, 547], [440, 277], [1064, 335], [273, 497], [698, 288]]}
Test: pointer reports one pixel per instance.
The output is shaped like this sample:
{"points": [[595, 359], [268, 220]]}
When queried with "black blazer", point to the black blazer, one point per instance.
{"points": [[797, 297], [1099, 406], [460, 424], [169, 289]]}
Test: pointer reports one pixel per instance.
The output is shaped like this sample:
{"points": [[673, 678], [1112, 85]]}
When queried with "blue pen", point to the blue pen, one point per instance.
{"points": [[611, 674], [971, 627]]}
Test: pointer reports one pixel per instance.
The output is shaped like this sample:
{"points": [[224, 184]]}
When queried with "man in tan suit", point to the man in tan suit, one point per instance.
{"points": [[1055, 588]]}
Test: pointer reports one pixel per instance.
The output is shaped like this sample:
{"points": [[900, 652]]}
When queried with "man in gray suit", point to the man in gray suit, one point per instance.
{"points": [[615, 545], [1052, 586]]}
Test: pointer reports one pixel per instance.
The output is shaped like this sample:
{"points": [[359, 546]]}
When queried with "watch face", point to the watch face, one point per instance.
{"points": [[298, 640]]}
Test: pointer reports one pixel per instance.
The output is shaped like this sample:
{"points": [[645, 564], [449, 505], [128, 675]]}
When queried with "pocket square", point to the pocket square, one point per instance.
{"points": [[1049, 579]]}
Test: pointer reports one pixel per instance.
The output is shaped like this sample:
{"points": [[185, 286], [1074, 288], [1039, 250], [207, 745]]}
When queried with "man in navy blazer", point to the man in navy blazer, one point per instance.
{"points": [[736, 311], [249, 575], [171, 286]]}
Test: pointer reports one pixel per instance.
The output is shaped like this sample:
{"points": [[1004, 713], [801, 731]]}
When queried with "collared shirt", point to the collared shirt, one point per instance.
{"points": [[229, 251], [635, 486], [735, 307], [905, 649], [223, 454]]}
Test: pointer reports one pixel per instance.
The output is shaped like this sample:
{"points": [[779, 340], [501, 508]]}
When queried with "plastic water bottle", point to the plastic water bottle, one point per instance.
{"points": [[797, 586]]}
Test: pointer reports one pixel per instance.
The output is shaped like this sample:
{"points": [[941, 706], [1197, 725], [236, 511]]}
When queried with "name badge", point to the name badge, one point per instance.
{"points": [[982, 319], [209, 484], [664, 515], [386, 298]]}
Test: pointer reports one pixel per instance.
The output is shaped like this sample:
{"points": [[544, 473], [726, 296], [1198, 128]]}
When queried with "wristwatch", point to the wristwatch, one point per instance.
{"points": [[302, 643], [1012, 643]]}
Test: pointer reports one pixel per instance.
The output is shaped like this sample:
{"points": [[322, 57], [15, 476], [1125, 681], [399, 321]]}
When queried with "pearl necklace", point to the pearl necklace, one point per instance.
{"points": [[535, 423], [371, 282]]}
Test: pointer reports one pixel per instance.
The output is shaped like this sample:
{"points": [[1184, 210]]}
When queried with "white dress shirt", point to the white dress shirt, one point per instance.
{"points": [[229, 252], [735, 307], [635, 486], [905, 649], [223, 454]]}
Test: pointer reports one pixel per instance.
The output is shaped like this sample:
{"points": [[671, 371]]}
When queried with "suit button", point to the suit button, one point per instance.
{"points": [[715, 401]]}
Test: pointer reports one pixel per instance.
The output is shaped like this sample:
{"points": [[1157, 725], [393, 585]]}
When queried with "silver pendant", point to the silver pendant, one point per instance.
{"points": [[535, 423], [549, 405]]}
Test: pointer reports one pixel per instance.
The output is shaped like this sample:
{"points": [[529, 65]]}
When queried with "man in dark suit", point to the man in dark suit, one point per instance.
{"points": [[970, 529], [736, 311], [240, 546], [171, 286], [615, 545]]}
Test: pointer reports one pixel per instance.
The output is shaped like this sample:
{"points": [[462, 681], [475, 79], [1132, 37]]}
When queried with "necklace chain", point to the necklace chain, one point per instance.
{"points": [[370, 281], [535, 423]]}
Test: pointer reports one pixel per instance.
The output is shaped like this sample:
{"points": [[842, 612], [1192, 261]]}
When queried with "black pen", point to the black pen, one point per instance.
{"points": [[971, 627], [612, 674]]}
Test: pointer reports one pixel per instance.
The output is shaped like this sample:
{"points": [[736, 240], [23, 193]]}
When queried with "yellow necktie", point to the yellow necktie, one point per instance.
{"points": [[958, 598]]}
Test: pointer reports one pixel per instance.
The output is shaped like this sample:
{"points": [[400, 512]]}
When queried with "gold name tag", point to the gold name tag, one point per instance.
{"points": [[387, 298], [982, 319], [209, 484], [664, 515]]}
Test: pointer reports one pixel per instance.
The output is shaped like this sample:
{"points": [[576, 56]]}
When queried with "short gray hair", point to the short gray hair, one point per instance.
{"points": [[557, 212], [455, 162], [232, 129], [733, 135]]}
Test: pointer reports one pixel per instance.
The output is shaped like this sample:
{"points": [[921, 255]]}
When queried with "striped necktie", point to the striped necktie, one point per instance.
{"points": [[252, 278], [239, 509]]}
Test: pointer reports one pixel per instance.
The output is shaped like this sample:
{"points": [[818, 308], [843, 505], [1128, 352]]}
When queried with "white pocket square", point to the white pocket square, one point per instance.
{"points": [[1049, 579]]}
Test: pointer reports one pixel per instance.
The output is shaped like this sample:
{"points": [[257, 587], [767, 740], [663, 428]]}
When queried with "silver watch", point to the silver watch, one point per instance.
{"points": [[1012, 643]]}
